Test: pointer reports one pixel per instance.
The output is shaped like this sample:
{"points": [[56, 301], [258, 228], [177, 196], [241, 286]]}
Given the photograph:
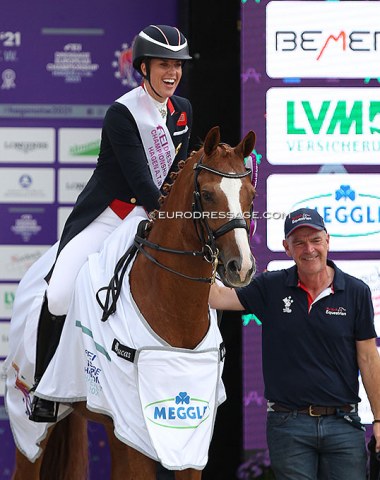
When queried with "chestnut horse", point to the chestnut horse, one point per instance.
{"points": [[200, 231]]}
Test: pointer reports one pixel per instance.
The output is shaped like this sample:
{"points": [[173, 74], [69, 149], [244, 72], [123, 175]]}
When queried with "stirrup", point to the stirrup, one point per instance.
{"points": [[43, 411]]}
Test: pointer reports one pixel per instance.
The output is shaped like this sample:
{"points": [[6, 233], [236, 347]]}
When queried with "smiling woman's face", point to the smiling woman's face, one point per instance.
{"points": [[165, 76]]}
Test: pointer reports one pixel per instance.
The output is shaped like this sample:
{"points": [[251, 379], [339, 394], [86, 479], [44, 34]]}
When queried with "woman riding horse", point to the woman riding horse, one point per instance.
{"points": [[145, 133], [117, 371]]}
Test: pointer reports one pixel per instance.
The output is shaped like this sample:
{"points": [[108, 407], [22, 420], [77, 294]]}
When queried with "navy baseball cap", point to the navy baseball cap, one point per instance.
{"points": [[303, 217]]}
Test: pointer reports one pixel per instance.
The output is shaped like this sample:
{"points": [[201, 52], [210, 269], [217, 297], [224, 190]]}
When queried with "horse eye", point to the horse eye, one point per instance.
{"points": [[207, 196]]}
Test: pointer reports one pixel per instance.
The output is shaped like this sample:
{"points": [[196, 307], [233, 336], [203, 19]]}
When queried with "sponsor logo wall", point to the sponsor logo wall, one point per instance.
{"points": [[58, 75], [310, 77]]}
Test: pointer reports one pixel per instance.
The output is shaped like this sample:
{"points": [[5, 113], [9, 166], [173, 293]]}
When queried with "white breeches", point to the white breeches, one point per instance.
{"points": [[73, 256]]}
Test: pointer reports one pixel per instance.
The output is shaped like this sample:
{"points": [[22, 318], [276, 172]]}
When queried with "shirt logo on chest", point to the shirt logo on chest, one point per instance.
{"points": [[336, 311], [287, 304]]}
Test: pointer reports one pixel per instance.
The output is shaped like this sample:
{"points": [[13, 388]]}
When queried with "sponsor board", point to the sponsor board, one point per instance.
{"points": [[71, 182], [15, 260], [348, 203], [323, 126], [27, 145], [7, 296], [4, 338], [27, 185], [78, 145], [323, 39]]}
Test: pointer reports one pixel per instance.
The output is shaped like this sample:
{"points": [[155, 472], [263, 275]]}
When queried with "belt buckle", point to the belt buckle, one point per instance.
{"points": [[311, 412]]}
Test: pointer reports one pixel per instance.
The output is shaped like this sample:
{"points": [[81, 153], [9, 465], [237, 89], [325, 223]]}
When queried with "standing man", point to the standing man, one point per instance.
{"points": [[318, 331]]}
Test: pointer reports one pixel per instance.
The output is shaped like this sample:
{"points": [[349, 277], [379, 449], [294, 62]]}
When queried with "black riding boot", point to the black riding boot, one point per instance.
{"points": [[48, 335]]}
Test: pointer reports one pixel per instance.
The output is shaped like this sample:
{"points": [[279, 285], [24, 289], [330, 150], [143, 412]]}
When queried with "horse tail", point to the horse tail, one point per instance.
{"points": [[66, 453]]}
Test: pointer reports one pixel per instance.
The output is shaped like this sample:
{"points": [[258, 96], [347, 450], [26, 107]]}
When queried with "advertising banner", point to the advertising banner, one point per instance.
{"points": [[310, 73], [61, 65]]}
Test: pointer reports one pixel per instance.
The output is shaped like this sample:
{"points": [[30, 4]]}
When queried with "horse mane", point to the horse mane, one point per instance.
{"points": [[166, 187]]}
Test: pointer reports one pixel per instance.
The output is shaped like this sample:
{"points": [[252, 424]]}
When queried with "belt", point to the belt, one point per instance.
{"points": [[313, 410]]}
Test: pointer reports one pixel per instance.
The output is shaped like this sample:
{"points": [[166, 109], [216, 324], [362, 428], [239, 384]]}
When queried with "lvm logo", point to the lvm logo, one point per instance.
{"points": [[329, 117], [180, 412], [321, 125]]}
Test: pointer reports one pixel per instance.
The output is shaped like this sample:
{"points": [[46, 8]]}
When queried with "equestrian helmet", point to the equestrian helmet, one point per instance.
{"points": [[159, 41]]}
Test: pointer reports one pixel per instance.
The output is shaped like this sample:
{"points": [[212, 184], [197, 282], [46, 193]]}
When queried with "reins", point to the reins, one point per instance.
{"points": [[209, 251]]}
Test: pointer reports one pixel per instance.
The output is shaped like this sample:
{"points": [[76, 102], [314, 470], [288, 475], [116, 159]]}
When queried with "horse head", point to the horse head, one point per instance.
{"points": [[219, 206], [201, 230], [223, 199]]}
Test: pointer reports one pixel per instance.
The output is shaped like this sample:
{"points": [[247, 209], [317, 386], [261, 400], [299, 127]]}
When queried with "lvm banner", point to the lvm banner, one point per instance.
{"points": [[321, 125]]}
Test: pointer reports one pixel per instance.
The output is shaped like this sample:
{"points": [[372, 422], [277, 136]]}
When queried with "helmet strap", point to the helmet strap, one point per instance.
{"points": [[147, 76]]}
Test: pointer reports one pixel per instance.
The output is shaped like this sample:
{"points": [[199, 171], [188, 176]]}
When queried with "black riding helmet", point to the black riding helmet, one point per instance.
{"points": [[159, 41]]}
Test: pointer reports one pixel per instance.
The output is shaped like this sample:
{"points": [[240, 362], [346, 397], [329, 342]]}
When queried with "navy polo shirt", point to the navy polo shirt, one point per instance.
{"points": [[309, 353]]}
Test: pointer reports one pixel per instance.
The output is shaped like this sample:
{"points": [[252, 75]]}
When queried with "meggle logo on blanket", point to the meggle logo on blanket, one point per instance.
{"points": [[181, 411]]}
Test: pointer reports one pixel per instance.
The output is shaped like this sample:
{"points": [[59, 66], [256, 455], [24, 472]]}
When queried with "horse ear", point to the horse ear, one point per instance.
{"points": [[212, 141], [246, 146]]}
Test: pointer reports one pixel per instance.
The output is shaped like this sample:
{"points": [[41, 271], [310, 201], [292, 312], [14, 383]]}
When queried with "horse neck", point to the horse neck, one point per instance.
{"points": [[175, 307]]}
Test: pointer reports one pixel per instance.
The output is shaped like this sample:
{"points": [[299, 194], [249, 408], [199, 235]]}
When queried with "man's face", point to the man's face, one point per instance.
{"points": [[308, 248]]}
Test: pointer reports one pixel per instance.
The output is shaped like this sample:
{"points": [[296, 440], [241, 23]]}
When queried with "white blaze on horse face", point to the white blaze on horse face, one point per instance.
{"points": [[231, 188]]}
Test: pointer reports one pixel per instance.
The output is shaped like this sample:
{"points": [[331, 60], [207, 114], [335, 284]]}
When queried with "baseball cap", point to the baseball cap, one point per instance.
{"points": [[303, 217]]}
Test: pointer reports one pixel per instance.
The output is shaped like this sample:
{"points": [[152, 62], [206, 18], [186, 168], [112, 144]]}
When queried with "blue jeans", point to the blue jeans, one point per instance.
{"points": [[315, 448]]}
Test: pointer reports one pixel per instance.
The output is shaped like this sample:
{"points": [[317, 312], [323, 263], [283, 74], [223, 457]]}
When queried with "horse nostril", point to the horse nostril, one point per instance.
{"points": [[234, 266]]}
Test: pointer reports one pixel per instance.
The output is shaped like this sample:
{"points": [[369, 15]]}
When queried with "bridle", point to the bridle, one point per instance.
{"points": [[206, 235]]}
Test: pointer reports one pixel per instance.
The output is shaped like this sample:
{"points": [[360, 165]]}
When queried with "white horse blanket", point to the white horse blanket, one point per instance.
{"points": [[162, 400]]}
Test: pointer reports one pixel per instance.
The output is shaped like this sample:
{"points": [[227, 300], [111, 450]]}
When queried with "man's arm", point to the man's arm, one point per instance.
{"points": [[369, 364], [224, 298]]}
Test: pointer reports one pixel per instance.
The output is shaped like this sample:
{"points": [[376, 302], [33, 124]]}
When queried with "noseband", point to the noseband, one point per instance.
{"points": [[206, 235]]}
